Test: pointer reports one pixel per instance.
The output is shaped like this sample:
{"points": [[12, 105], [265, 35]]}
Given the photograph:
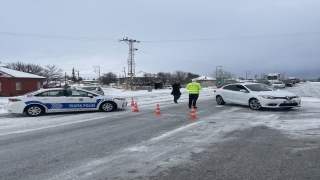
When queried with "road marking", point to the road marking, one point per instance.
{"points": [[174, 131]]}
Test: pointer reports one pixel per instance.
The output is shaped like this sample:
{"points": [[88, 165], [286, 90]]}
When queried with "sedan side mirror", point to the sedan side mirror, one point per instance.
{"points": [[90, 95], [243, 90]]}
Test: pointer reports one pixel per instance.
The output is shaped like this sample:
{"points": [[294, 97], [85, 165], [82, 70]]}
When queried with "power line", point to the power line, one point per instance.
{"points": [[156, 41], [58, 37], [175, 58], [117, 51], [237, 47], [235, 38]]}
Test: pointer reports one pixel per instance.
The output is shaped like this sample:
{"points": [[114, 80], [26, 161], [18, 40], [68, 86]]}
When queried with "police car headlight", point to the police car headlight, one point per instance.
{"points": [[267, 96], [120, 99]]}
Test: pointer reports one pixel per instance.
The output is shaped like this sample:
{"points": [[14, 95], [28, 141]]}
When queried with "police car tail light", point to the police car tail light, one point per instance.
{"points": [[14, 100]]}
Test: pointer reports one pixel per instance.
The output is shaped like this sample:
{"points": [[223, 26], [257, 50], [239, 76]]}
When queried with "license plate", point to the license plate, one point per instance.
{"points": [[289, 102]]}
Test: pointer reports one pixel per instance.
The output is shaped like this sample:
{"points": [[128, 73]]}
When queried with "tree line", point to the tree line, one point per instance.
{"points": [[54, 73]]}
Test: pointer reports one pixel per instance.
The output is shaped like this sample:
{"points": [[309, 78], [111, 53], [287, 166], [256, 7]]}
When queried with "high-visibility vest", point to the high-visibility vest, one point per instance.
{"points": [[194, 88]]}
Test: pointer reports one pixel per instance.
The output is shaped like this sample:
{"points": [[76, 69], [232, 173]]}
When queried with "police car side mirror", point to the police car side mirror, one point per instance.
{"points": [[90, 95]]}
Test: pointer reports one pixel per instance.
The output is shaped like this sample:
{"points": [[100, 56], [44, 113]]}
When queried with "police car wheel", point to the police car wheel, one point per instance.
{"points": [[34, 110], [107, 106]]}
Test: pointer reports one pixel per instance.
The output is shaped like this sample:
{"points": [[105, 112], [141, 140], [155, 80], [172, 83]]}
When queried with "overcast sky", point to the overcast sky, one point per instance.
{"points": [[256, 36]]}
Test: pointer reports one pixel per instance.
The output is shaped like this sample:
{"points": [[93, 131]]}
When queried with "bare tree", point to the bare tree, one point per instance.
{"points": [[35, 69], [148, 77], [165, 77], [108, 78], [180, 76], [220, 73], [52, 73], [19, 66], [191, 76], [28, 68]]}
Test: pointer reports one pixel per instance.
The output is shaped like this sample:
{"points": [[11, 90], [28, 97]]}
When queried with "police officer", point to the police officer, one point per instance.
{"points": [[193, 89]]}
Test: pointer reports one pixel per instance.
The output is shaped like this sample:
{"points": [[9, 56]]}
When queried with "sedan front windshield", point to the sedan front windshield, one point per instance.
{"points": [[259, 87], [89, 88]]}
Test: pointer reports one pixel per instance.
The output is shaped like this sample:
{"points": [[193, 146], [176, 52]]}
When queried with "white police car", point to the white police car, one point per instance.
{"points": [[62, 100]]}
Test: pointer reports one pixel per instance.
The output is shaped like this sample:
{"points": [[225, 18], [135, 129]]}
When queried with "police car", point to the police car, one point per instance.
{"points": [[62, 100]]}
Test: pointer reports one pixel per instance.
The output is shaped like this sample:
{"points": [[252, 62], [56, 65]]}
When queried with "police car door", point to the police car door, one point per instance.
{"points": [[79, 100], [54, 100]]}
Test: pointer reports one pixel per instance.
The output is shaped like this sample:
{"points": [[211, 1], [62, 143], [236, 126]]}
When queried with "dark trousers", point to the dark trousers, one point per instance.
{"points": [[176, 97], [193, 99]]}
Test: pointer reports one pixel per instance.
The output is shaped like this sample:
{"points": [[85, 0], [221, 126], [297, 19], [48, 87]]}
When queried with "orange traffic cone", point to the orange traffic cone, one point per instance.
{"points": [[132, 102], [158, 111], [193, 114], [136, 108]]}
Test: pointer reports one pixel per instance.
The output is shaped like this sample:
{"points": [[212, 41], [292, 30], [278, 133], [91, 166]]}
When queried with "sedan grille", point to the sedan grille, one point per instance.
{"points": [[288, 104], [289, 97]]}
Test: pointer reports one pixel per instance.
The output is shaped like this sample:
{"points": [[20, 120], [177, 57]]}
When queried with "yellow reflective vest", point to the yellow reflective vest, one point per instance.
{"points": [[194, 88]]}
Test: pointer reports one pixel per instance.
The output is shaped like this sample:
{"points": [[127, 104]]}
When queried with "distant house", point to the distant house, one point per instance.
{"points": [[206, 81], [13, 83], [53, 84], [90, 81]]}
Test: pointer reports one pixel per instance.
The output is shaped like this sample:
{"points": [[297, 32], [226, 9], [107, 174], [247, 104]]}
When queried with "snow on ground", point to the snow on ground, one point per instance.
{"points": [[142, 97], [300, 120], [3, 101], [309, 92]]}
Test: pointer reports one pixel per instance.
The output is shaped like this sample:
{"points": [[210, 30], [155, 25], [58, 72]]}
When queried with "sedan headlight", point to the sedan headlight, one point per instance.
{"points": [[267, 96]]}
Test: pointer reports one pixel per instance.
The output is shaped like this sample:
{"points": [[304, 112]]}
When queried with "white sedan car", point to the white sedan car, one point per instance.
{"points": [[256, 96], [278, 84], [62, 100]]}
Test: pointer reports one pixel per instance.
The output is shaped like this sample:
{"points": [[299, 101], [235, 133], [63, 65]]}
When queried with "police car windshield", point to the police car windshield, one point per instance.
{"points": [[32, 92]]}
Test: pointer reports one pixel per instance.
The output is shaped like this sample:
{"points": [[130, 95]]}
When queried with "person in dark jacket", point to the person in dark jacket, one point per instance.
{"points": [[176, 91]]}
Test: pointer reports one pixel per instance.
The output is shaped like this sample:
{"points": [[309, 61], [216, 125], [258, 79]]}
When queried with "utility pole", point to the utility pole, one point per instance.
{"points": [[125, 76], [65, 78], [247, 72], [97, 67], [131, 63], [78, 78], [217, 73]]}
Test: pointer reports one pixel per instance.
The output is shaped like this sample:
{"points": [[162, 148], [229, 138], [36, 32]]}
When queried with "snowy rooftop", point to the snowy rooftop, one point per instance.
{"points": [[18, 74], [205, 78]]}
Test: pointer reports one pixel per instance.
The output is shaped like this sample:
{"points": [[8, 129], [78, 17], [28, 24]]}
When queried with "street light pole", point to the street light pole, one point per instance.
{"points": [[97, 67], [217, 73], [247, 72]]}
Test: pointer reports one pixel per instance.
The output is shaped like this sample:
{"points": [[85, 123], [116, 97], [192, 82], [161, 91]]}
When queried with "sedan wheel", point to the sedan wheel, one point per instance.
{"points": [[34, 110], [220, 100], [255, 104], [107, 107]]}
